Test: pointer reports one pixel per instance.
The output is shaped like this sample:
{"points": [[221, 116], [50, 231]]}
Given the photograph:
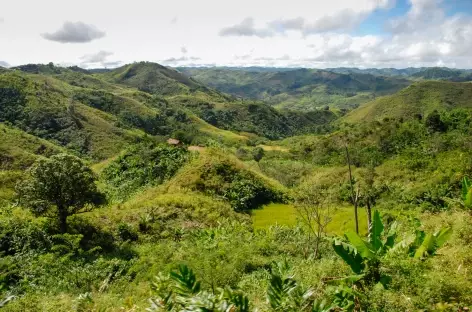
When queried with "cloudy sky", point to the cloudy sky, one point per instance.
{"points": [[299, 33]]}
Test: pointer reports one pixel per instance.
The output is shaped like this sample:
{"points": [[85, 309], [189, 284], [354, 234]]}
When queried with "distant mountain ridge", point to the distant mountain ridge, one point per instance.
{"points": [[298, 89], [416, 101]]}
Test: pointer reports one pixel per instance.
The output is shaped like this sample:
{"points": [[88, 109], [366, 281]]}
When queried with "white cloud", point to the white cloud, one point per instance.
{"points": [[340, 19], [343, 20], [99, 59], [4, 64], [77, 32], [309, 33], [183, 50], [176, 61], [245, 29]]}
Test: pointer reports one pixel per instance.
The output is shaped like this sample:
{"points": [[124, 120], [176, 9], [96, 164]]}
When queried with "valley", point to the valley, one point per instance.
{"points": [[147, 187]]}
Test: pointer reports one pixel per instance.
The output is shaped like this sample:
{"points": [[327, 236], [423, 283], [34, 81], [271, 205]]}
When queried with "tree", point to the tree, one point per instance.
{"points": [[59, 187], [313, 209], [370, 193], [434, 123], [257, 154], [355, 195]]}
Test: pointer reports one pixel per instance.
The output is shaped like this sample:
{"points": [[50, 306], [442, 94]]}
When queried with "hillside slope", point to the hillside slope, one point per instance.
{"points": [[97, 115], [439, 73], [418, 99], [152, 78], [300, 89]]}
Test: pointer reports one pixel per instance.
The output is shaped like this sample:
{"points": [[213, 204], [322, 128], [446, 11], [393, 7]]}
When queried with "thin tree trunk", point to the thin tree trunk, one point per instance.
{"points": [[369, 216], [354, 198], [356, 215]]}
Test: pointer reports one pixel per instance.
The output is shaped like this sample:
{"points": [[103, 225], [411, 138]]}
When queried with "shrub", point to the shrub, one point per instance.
{"points": [[143, 165], [126, 232]]}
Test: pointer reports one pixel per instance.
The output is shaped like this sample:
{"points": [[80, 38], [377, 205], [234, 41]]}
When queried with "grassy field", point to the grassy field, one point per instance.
{"points": [[281, 214], [274, 214]]}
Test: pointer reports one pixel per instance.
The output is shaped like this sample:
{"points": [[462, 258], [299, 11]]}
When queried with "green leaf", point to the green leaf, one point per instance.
{"points": [[350, 255], [375, 233], [349, 279], [426, 245], [363, 248], [466, 187], [442, 237], [185, 280], [385, 280], [468, 199], [392, 235]]}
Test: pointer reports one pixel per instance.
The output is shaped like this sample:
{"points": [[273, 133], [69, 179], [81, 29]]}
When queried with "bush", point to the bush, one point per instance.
{"points": [[126, 232], [143, 165], [243, 189]]}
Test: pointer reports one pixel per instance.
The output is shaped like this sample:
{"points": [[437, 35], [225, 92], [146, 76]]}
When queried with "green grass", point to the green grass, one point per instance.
{"points": [[274, 214], [282, 214]]}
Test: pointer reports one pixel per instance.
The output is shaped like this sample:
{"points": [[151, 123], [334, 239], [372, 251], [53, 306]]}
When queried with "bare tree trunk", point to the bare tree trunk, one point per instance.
{"points": [[356, 205], [354, 198], [369, 216]]}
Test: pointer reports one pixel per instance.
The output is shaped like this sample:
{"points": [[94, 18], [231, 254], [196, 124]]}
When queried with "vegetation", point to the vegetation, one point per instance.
{"points": [[220, 204], [299, 89], [416, 101], [61, 183], [143, 165]]}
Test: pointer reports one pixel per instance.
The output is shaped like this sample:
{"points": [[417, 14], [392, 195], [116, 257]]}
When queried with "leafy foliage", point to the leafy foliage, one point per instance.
{"points": [[466, 192], [59, 187], [144, 164], [182, 291], [426, 245]]}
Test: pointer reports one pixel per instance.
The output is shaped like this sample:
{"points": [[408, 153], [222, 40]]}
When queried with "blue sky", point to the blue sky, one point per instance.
{"points": [[299, 33], [375, 22]]}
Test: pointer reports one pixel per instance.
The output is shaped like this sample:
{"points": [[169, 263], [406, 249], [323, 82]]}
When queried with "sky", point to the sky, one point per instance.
{"points": [[296, 33]]}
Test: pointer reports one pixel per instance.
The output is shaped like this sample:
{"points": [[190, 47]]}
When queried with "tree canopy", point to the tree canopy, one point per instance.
{"points": [[59, 187]]}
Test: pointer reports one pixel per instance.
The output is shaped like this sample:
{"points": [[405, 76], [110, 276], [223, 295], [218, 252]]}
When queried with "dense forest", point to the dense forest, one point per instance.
{"points": [[148, 188]]}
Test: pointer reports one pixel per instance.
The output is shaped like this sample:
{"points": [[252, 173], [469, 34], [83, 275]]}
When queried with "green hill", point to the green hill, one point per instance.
{"points": [[18, 149], [418, 99], [97, 115], [152, 78], [215, 108], [217, 174], [299, 89], [440, 73], [49, 109], [260, 223]]}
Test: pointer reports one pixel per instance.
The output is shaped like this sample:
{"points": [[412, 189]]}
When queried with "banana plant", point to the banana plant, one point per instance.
{"points": [[364, 256], [285, 294], [466, 192], [181, 291], [426, 245]]}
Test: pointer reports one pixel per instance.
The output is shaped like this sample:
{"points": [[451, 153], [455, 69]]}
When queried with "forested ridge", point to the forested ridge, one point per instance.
{"points": [[147, 188]]}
